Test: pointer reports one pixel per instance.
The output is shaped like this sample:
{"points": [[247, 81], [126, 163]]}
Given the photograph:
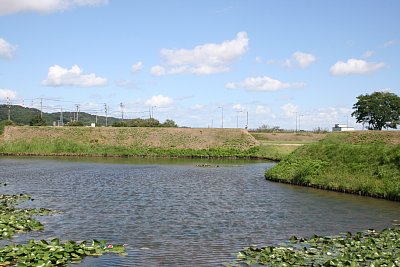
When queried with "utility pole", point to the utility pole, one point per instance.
{"points": [[296, 121], [247, 119], [152, 111], [61, 118], [77, 112], [9, 108], [96, 117], [149, 112], [106, 110], [122, 111]]}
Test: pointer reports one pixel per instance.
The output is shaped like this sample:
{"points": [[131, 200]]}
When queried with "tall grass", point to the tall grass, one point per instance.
{"points": [[344, 163]]}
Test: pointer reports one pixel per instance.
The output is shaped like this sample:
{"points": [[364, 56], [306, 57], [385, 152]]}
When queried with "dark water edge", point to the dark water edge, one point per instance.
{"points": [[180, 212]]}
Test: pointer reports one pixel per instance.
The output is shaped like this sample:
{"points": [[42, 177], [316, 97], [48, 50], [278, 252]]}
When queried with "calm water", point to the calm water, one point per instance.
{"points": [[174, 213]]}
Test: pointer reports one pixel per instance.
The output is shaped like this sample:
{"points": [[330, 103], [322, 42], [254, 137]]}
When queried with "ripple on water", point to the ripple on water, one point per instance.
{"points": [[179, 214]]}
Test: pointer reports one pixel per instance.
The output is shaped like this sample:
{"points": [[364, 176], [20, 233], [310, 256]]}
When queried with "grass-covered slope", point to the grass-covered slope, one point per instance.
{"points": [[366, 163], [110, 141]]}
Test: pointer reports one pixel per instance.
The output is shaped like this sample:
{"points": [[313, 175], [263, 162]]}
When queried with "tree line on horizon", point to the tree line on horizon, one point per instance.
{"points": [[30, 116]]}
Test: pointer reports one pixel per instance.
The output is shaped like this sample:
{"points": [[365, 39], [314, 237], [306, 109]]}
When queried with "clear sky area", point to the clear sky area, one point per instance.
{"points": [[283, 63]]}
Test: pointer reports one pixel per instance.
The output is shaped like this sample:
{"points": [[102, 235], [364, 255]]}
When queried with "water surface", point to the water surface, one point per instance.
{"points": [[175, 213]]}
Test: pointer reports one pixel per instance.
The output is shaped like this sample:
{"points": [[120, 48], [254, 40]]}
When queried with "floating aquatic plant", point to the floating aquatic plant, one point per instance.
{"points": [[369, 248], [41, 253]]}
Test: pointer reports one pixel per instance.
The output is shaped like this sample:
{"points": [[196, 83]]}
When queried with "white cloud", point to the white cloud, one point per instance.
{"points": [[159, 101], [263, 83], [238, 107], [59, 76], [390, 43], [355, 66], [6, 49], [207, 58], [290, 110], [368, 54], [7, 93], [262, 109], [258, 59], [44, 6], [137, 67], [303, 60], [157, 70]]}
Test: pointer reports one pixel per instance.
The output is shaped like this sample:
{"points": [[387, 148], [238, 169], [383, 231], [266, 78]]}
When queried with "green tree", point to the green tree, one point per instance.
{"points": [[169, 123], [37, 120], [75, 123], [379, 110]]}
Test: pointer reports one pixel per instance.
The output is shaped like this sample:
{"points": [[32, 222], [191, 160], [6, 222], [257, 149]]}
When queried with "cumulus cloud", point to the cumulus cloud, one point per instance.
{"points": [[137, 67], [159, 101], [44, 6], [7, 93], [262, 109], [238, 107], [205, 59], [303, 60], [262, 83], [355, 66], [59, 76], [6, 49], [157, 70], [289, 109]]}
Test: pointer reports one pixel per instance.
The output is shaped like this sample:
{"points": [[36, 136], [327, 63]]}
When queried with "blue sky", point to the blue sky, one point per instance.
{"points": [[189, 60]]}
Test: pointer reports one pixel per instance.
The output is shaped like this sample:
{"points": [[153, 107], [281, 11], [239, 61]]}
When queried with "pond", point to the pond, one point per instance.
{"points": [[180, 212]]}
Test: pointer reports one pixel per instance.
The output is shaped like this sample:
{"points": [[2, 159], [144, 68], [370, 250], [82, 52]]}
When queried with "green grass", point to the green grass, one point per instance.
{"points": [[365, 163], [137, 142], [41, 146]]}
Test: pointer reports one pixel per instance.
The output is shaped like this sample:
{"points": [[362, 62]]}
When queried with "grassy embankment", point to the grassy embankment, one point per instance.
{"points": [[365, 163], [279, 145], [148, 142]]}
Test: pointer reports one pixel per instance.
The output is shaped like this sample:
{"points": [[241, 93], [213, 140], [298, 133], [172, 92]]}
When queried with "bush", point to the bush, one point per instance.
{"points": [[4, 124], [74, 123], [37, 121]]}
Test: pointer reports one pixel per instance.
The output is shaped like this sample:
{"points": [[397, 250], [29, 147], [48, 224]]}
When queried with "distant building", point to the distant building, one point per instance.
{"points": [[342, 128]]}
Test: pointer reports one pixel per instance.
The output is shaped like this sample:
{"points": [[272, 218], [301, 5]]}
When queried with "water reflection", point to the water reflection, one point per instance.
{"points": [[174, 213]]}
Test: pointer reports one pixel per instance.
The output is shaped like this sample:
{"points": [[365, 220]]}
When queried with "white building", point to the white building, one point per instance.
{"points": [[342, 128]]}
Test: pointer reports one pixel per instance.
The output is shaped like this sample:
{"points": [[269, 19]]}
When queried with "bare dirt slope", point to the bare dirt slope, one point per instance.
{"points": [[165, 138]]}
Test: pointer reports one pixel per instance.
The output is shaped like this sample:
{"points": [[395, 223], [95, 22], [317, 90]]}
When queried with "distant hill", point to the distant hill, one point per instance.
{"points": [[24, 115]]}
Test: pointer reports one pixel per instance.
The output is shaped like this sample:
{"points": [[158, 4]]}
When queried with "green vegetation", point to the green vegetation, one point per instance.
{"points": [[132, 141], [54, 253], [369, 248], [24, 116], [365, 163], [4, 124], [37, 120], [144, 123], [278, 145], [379, 110], [40, 253]]}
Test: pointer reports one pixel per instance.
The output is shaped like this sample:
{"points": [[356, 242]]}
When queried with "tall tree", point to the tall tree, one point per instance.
{"points": [[379, 110]]}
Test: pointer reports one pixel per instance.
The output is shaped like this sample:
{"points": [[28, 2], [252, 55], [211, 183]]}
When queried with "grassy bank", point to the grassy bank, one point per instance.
{"points": [[365, 163], [141, 142], [279, 145]]}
